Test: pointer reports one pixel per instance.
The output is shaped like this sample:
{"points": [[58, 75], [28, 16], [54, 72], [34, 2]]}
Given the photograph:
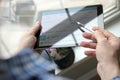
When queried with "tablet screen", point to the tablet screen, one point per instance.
{"points": [[60, 28]]}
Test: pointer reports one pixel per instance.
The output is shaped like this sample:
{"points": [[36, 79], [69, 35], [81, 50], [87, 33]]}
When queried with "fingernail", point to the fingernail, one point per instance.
{"points": [[96, 31]]}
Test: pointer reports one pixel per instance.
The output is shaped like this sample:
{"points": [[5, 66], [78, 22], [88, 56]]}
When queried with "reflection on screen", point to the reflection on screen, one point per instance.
{"points": [[59, 31]]}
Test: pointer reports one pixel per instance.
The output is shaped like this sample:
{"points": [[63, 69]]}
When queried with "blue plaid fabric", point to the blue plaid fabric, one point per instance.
{"points": [[27, 65]]}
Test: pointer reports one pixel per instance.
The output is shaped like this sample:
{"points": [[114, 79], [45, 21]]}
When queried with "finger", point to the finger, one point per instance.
{"points": [[31, 42], [100, 37], [90, 53], [89, 36], [88, 45], [35, 29], [105, 32]]}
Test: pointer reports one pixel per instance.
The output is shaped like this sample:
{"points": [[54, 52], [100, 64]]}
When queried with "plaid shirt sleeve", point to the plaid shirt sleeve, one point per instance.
{"points": [[27, 65]]}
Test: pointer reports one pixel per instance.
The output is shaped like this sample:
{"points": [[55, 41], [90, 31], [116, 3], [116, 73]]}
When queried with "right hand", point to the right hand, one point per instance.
{"points": [[106, 51]]}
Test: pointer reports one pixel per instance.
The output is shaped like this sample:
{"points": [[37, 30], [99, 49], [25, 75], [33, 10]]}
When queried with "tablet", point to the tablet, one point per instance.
{"points": [[63, 27]]}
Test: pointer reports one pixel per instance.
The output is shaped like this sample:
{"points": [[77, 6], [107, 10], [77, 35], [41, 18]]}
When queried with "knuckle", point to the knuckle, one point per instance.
{"points": [[34, 38], [103, 40]]}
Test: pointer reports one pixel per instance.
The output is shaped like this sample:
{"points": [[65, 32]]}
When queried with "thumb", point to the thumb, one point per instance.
{"points": [[99, 36]]}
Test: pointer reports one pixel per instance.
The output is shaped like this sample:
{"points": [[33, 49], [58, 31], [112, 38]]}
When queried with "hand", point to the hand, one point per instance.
{"points": [[106, 51], [29, 39]]}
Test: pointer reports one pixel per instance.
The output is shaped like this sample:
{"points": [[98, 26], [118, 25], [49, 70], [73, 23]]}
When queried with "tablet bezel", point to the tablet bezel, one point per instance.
{"points": [[99, 13]]}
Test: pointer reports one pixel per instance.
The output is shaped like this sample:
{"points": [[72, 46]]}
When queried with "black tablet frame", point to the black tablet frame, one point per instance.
{"points": [[99, 12]]}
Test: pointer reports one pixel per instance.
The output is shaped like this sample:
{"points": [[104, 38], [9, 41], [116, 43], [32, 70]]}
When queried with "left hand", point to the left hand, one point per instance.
{"points": [[29, 39]]}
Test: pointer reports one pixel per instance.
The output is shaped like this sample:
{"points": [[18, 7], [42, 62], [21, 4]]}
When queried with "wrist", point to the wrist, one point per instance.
{"points": [[110, 70], [114, 73], [116, 78]]}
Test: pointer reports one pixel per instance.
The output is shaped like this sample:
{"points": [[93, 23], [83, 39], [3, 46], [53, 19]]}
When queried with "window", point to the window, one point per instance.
{"points": [[112, 10], [111, 7]]}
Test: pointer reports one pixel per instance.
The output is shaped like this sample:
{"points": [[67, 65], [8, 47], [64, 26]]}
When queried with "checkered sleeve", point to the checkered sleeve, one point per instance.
{"points": [[24, 66]]}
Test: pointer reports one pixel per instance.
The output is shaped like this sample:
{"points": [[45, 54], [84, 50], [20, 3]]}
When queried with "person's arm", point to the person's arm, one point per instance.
{"points": [[27, 64], [106, 50]]}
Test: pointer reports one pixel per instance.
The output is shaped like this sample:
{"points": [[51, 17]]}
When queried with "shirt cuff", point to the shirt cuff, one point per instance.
{"points": [[116, 78]]}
